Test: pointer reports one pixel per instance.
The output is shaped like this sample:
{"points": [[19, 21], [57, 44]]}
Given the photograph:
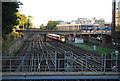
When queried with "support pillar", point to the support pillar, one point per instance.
{"points": [[70, 37], [81, 36], [74, 35], [44, 37], [89, 35]]}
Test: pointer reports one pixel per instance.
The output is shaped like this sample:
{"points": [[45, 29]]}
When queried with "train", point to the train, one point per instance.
{"points": [[57, 37]]}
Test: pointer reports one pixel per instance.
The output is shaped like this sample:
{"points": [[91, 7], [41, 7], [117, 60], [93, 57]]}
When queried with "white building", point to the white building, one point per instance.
{"points": [[99, 21], [64, 22], [83, 21]]}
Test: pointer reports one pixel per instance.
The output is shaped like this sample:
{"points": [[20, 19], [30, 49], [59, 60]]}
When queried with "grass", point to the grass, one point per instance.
{"points": [[90, 47]]}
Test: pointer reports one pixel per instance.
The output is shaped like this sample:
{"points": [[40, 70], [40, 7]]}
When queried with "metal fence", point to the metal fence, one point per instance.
{"points": [[56, 62]]}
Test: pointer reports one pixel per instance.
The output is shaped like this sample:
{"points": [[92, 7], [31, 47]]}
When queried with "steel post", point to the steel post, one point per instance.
{"points": [[23, 64], [72, 61], [86, 63], [58, 64], [105, 63], [10, 65], [116, 64], [65, 61], [102, 65]]}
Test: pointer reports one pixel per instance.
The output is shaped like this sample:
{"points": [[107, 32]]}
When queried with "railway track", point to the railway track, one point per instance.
{"points": [[92, 59], [37, 56]]}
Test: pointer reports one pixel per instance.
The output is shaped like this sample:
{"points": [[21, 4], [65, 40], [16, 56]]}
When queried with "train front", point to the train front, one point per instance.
{"points": [[62, 38]]}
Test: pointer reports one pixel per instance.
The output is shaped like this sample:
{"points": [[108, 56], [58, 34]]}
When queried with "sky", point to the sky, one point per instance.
{"points": [[66, 10]]}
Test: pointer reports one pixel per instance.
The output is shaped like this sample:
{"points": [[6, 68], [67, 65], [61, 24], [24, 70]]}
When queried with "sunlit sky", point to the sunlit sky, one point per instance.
{"points": [[66, 10]]}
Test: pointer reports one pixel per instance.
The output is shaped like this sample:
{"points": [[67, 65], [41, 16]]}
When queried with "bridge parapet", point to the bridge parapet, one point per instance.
{"points": [[61, 32], [60, 75]]}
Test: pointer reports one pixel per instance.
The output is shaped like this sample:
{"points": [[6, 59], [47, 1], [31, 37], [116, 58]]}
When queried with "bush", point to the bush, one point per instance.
{"points": [[9, 39]]}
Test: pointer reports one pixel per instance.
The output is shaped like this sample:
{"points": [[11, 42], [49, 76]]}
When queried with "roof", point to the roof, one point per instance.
{"points": [[76, 24]]}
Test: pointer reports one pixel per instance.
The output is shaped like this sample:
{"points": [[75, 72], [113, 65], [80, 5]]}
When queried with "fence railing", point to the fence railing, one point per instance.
{"points": [[66, 63]]}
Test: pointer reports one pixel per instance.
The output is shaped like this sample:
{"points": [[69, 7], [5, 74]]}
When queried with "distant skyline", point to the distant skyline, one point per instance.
{"points": [[66, 10]]}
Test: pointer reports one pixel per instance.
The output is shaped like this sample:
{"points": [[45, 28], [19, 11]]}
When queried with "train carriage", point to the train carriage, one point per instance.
{"points": [[57, 37]]}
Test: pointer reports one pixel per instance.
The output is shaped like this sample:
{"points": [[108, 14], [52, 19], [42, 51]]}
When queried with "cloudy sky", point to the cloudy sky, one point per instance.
{"points": [[67, 10]]}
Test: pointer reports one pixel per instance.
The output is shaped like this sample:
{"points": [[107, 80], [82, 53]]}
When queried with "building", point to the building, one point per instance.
{"points": [[83, 21], [80, 27], [87, 24], [116, 24], [101, 22], [63, 22], [118, 17], [107, 24]]}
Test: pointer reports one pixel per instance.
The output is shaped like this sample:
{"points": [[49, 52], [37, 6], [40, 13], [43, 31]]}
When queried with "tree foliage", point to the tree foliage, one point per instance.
{"points": [[42, 26], [9, 16], [29, 23], [24, 20], [51, 25]]}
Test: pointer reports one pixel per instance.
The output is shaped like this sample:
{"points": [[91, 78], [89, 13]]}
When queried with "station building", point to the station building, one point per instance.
{"points": [[85, 27]]}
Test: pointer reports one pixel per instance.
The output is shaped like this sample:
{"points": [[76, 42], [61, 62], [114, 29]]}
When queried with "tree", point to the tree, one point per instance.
{"points": [[42, 26], [24, 20], [29, 23], [51, 25], [9, 16]]}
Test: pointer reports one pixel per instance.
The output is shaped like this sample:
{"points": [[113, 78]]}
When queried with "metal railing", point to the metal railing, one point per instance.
{"points": [[56, 62]]}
